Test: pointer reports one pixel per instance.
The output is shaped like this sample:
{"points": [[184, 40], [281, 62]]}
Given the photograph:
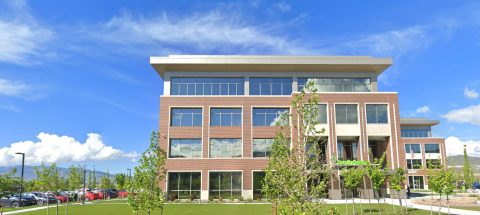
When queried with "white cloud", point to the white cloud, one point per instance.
{"points": [[454, 146], [221, 30], [471, 94], [12, 88], [51, 148], [9, 107], [283, 7], [423, 109], [22, 39], [470, 114]]}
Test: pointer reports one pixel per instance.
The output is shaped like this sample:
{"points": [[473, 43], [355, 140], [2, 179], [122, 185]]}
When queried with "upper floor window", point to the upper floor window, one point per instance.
{"points": [[432, 148], [186, 117], [418, 132], [225, 148], [337, 84], [269, 116], [185, 148], [414, 163], [270, 86], [226, 117], [433, 163], [346, 114], [412, 148], [262, 147], [207, 86], [347, 150], [377, 114]]}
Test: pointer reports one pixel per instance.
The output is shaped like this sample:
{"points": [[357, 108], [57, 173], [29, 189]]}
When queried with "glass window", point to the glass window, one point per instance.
{"points": [[258, 185], [413, 133], [337, 84], [432, 148], [347, 150], [412, 148], [269, 116], [184, 185], [225, 148], [262, 147], [414, 163], [226, 117], [321, 115], [185, 148], [207, 86], [377, 113], [186, 117], [270, 86], [225, 184], [346, 114]]}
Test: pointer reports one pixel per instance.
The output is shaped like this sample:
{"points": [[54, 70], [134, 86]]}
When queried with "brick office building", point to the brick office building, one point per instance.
{"points": [[217, 112]]}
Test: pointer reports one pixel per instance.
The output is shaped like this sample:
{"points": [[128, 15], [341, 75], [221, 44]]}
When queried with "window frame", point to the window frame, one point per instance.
{"points": [[412, 164], [231, 119], [265, 152], [377, 113], [425, 148], [282, 93], [211, 83], [210, 148], [265, 117], [183, 171], [346, 114], [333, 85], [231, 180], [409, 151], [171, 116], [169, 151]]}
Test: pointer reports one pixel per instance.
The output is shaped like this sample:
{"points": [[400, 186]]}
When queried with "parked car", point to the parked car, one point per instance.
{"points": [[89, 196], [9, 201], [42, 198], [59, 197], [26, 199], [122, 194]]}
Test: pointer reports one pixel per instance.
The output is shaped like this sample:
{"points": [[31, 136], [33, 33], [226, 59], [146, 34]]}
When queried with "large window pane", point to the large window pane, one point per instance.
{"points": [[414, 163], [412, 148], [377, 113], [415, 132], [269, 116], [185, 148], [336, 84], [347, 150], [270, 86], [432, 148], [225, 184], [186, 117], [207, 86], [346, 114], [184, 185], [262, 147], [226, 117], [225, 148], [258, 185]]}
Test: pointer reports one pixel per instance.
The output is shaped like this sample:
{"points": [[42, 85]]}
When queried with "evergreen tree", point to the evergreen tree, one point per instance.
{"points": [[468, 175], [90, 179], [75, 178]]}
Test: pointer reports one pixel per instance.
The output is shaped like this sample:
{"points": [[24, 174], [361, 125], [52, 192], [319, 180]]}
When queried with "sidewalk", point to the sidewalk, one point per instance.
{"points": [[52, 207]]}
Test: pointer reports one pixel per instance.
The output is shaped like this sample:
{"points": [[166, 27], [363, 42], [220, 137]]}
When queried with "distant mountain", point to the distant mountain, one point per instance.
{"points": [[29, 172], [457, 160]]}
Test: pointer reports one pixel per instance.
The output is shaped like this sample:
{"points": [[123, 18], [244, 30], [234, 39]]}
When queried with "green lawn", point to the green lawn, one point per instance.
{"points": [[119, 208]]}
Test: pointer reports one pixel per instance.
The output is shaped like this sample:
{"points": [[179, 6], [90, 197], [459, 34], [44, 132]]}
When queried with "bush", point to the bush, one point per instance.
{"points": [[332, 211]]}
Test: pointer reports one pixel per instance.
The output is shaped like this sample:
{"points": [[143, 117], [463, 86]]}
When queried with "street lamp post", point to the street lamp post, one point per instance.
{"points": [[84, 194], [21, 182], [129, 174]]}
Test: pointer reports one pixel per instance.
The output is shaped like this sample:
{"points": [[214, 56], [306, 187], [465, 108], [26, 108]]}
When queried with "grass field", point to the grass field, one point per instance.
{"points": [[120, 208]]}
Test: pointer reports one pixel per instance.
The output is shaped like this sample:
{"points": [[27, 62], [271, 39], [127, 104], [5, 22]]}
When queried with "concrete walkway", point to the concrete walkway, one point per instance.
{"points": [[52, 207]]}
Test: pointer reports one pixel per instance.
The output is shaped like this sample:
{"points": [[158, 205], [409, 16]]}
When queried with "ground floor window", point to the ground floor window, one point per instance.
{"points": [[415, 182], [258, 185], [347, 150], [225, 185], [184, 185]]}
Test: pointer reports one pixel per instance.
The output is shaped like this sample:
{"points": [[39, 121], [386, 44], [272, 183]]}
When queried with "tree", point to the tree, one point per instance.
{"points": [[120, 180], [449, 185], [48, 178], [396, 180], [8, 182], [296, 177], [376, 172], [75, 177], [468, 175], [94, 178], [105, 182], [144, 192], [352, 178], [90, 180]]}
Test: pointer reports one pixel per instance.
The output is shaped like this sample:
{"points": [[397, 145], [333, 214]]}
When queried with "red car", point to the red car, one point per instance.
{"points": [[91, 196], [61, 198], [122, 194]]}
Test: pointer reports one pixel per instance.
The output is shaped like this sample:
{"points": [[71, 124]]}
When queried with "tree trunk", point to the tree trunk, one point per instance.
{"points": [[148, 212], [353, 203], [48, 206], [448, 206], [440, 205], [431, 203], [378, 200], [66, 205], [393, 204], [369, 202], [346, 200], [56, 211]]}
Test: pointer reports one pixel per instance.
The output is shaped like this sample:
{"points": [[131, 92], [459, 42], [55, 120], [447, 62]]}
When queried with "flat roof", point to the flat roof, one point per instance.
{"points": [[252, 63], [418, 121]]}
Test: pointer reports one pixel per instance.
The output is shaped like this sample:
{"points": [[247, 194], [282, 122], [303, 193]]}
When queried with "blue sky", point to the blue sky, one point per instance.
{"points": [[76, 85]]}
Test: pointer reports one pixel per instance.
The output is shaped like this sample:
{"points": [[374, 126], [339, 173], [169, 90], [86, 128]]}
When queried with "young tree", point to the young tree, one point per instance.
{"points": [[376, 172], [396, 180], [144, 192], [75, 177], [48, 178], [449, 185], [352, 178], [94, 178], [296, 177], [468, 175], [120, 180], [436, 175], [90, 180], [105, 182]]}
